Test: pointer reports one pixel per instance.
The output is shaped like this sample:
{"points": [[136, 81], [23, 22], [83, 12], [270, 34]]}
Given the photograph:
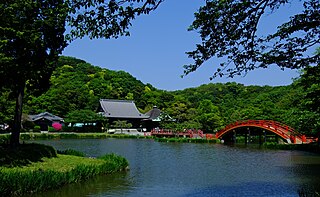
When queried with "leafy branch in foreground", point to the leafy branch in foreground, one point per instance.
{"points": [[107, 19], [228, 30]]}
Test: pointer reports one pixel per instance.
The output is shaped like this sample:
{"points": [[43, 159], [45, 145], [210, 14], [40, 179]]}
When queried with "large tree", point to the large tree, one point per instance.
{"points": [[33, 34], [310, 82], [228, 29]]}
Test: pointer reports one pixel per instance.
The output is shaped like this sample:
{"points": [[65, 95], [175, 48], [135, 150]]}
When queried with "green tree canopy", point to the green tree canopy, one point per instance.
{"points": [[32, 35], [84, 116], [31, 38], [228, 29], [310, 82], [209, 116]]}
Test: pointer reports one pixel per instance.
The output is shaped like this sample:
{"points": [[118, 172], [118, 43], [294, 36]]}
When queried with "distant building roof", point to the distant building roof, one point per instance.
{"points": [[45, 115], [154, 114], [120, 109]]}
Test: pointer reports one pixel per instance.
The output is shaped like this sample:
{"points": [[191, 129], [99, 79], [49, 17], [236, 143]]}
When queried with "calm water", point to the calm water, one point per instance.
{"points": [[187, 169]]}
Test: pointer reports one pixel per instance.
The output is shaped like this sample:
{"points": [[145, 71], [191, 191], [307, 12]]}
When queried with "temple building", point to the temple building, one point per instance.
{"points": [[124, 110]]}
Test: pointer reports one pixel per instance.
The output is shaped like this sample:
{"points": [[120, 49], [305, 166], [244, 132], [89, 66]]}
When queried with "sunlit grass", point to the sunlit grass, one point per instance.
{"points": [[61, 163], [44, 172]]}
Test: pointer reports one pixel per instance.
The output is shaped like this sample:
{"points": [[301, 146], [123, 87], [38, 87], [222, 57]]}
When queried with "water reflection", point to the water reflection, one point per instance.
{"points": [[187, 169], [247, 189], [105, 185]]}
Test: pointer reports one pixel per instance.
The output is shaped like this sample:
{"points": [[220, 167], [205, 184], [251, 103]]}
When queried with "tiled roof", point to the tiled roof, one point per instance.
{"points": [[120, 109], [154, 114], [45, 115]]}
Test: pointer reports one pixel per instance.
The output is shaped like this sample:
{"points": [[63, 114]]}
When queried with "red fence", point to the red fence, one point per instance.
{"points": [[282, 130], [191, 133], [278, 128]]}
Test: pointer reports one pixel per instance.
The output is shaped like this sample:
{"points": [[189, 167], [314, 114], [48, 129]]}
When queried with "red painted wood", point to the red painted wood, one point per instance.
{"points": [[278, 128]]}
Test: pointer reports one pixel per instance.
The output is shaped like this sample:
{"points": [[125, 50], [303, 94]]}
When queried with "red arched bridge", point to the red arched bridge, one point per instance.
{"points": [[285, 132]]}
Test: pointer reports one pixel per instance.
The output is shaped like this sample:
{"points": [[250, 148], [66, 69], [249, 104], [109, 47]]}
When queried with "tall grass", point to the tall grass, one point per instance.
{"points": [[31, 168], [72, 152], [53, 173]]}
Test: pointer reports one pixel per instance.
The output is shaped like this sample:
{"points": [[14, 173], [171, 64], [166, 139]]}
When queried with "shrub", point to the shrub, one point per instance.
{"points": [[36, 128], [28, 125], [51, 129]]}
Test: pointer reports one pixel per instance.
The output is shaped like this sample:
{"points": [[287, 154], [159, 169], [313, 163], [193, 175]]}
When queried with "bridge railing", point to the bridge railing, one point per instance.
{"points": [[280, 129], [188, 132]]}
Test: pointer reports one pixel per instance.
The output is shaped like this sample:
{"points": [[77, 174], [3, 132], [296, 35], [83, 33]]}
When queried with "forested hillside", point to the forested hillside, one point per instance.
{"points": [[77, 85]]}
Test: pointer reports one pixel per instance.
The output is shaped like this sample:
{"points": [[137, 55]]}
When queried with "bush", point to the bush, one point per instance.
{"points": [[28, 125], [51, 129], [36, 128], [4, 139]]}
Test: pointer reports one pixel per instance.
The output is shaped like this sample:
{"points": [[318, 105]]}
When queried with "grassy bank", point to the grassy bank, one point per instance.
{"points": [[42, 173], [43, 136], [187, 140], [313, 147], [35, 136]]}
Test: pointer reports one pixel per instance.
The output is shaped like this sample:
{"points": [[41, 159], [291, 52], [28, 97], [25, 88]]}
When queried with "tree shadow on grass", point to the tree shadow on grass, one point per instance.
{"points": [[24, 154]]}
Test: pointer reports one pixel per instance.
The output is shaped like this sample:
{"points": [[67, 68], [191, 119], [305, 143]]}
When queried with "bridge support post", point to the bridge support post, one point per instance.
{"points": [[234, 137], [265, 136], [245, 138], [249, 137], [260, 138]]}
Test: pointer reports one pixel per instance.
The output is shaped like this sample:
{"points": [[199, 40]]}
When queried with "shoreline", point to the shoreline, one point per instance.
{"points": [[23, 172], [4, 138]]}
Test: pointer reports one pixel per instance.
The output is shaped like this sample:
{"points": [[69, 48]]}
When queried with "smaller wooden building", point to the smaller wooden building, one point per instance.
{"points": [[155, 117], [45, 119], [153, 120]]}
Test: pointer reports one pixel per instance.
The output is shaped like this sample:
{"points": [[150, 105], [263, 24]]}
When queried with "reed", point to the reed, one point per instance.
{"points": [[55, 172], [31, 168], [71, 152]]}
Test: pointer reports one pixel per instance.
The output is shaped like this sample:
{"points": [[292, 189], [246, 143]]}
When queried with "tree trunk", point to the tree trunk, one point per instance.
{"points": [[16, 127]]}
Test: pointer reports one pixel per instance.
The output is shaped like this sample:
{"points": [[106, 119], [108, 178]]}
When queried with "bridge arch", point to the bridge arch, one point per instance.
{"points": [[284, 131]]}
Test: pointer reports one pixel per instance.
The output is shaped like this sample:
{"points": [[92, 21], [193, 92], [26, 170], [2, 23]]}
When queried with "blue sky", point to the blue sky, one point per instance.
{"points": [[155, 51]]}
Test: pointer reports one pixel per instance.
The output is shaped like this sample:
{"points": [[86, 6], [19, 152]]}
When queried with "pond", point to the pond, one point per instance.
{"points": [[190, 169]]}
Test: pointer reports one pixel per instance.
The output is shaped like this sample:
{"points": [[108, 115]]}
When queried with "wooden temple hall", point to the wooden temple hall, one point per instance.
{"points": [[126, 110]]}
